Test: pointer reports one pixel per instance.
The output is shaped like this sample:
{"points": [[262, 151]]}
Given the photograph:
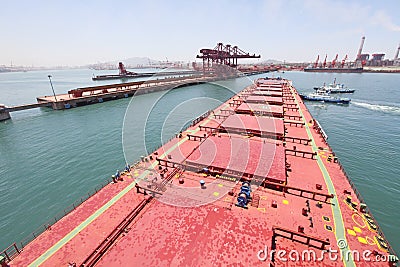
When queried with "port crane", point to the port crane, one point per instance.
{"points": [[343, 61], [223, 55], [316, 62], [396, 56], [324, 64], [334, 61], [361, 48], [123, 71]]}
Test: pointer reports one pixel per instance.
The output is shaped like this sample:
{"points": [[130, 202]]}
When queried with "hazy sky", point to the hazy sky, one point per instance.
{"points": [[48, 33]]}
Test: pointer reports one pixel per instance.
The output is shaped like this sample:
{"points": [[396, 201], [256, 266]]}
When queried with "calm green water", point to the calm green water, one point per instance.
{"points": [[49, 159]]}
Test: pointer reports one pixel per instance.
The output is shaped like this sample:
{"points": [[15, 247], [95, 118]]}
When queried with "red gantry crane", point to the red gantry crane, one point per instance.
{"points": [[123, 71], [223, 55], [360, 49], [396, 56], [316, 62], [334, 61], [344, 61], [324, 64]]}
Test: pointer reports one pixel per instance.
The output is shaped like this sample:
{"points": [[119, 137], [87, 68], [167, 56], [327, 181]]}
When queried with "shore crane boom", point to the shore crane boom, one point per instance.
{"points": [[334, 61], [316, 62], [343, 61]]}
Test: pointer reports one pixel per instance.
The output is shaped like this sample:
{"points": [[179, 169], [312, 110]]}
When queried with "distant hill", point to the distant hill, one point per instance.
{"points": [[137, 61], [133, 62], [272, 61]]}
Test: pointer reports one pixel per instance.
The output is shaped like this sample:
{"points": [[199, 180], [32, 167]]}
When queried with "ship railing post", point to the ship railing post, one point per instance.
{"points": [[16, 248], [8, 257]]}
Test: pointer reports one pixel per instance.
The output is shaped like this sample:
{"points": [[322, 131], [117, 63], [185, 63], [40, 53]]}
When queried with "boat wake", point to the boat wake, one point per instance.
{"points": [[376, 107]]}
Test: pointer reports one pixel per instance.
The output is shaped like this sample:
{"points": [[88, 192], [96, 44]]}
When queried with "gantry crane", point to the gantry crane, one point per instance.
{"points": [[334, 61], [344, 61], [316, 62], [360, 49], [123, 71], [223, 55]]}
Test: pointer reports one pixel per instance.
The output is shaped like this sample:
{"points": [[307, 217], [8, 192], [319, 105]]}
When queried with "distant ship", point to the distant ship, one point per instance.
{"points": [[325, 97], [125, 74], [338, 70], [334, 88], [334, 67]]}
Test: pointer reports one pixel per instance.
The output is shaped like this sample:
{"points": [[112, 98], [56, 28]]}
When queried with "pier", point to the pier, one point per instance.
{"points": [[97, 94], [5, 111]]}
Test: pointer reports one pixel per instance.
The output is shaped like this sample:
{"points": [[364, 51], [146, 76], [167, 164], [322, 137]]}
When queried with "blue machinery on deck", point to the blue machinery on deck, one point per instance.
{"points": [[244, 195]]}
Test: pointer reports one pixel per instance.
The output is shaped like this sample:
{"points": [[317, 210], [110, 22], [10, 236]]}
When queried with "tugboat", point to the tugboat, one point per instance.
{"points": [[323, 96], [335, 88]]}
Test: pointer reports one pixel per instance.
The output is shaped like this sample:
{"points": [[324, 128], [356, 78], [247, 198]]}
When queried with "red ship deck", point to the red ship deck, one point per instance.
{"points": [[302, 204]]}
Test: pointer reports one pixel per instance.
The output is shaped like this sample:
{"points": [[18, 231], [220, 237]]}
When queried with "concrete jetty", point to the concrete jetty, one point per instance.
{"points": [[98, 94]]}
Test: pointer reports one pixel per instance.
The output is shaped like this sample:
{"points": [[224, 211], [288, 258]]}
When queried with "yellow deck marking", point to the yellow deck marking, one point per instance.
{"points": [[285, 201], [362, 240], [216, 194], [261, 210], [356, 229], [263, 197], [351, 232], [339, 228], [379, 245], [349, 205], [220, 185], [371, 229]]}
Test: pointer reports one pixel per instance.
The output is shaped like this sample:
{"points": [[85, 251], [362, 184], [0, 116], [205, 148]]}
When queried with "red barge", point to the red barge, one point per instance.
{"points": [[251, 183]]}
